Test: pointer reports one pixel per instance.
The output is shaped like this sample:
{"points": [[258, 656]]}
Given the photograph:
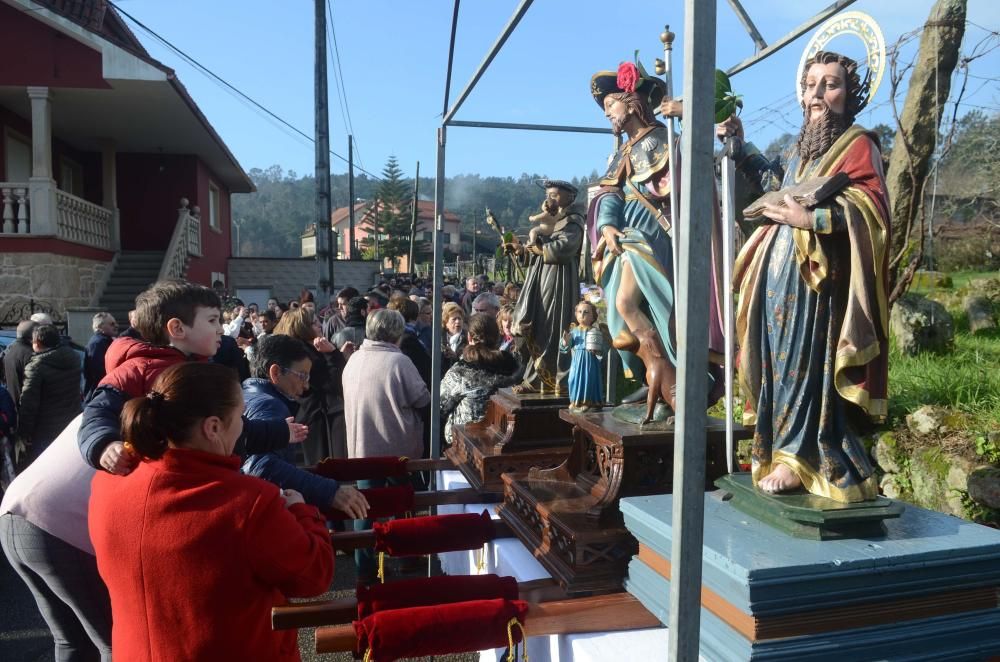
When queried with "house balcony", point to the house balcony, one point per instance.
{"points": [[39, 209]]}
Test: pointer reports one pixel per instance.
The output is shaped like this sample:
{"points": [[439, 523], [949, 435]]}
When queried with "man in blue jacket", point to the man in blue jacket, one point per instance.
{"points": [[280, 372]]}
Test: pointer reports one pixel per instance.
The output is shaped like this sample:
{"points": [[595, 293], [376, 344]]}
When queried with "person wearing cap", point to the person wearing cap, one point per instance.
{"points": [[631, 233], [551, 289]]}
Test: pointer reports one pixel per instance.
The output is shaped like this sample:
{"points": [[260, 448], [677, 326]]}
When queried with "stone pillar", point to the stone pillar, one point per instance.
{"points": [[109, 179], [42, 183]]}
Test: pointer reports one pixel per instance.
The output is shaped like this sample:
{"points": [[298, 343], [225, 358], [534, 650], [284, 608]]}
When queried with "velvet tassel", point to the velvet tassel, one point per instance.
{"points": [[428, 591], [362, 468], [440, 630], [433, 534], [382, 502]]}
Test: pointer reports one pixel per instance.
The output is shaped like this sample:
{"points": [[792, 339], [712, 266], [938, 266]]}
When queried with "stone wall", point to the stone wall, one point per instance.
{"points": [[55, 281], [285, 277]]}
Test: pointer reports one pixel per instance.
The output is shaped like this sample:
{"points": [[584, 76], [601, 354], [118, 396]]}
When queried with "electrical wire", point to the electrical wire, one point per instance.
{"points": [[229, 86]]}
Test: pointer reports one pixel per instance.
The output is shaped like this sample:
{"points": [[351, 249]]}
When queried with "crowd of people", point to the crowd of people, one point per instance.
{"points": [[169, 466]]}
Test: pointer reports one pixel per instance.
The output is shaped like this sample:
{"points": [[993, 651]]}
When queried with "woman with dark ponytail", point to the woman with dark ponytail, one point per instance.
{"points": [[186, 532], [468, 385]]}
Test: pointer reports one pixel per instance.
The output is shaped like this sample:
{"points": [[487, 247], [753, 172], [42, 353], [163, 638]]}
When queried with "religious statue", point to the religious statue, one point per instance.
{"points": [[812, 315], [585, 342], [551, 287], [631, 231]]}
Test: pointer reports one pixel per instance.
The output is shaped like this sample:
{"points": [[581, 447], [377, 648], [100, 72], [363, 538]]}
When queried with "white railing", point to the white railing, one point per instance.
{"points": [[194, 232], [82, 222], [14, 197], [185, 241]]}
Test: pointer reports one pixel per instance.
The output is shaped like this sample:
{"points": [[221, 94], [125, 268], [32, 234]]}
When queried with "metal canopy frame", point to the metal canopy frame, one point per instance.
{"points": [[697, 156]]}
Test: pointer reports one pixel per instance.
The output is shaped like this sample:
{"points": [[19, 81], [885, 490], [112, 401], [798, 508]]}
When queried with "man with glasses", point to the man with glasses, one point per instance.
{"points": [[105, 329]]}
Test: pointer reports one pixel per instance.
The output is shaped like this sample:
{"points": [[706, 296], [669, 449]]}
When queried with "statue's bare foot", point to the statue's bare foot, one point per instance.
{"points": [[781, 479], [523, 388]]}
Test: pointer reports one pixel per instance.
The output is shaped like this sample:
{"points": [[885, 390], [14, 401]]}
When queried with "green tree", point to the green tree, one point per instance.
{"points": [[388, 218]]}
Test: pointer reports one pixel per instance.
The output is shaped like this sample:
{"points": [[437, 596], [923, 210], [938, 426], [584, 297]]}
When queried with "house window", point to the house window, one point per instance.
{"points": [[214, 221], [17, 149], [447, 238], [428, 236], [70, 176]]}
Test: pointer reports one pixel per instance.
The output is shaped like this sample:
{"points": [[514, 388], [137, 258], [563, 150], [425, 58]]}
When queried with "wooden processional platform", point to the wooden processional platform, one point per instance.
{"points": [[519, 432], [568, 515]]}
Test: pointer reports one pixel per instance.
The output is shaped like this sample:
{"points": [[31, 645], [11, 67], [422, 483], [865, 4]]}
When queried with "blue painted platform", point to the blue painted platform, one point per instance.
{"points": [[943, 573]]}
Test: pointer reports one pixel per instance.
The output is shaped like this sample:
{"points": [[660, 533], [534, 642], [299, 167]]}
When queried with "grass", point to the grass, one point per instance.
{"points": [[966, 379]]}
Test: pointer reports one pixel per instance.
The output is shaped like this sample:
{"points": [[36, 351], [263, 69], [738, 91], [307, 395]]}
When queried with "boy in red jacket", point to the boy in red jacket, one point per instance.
{"points": [[178, 321]]}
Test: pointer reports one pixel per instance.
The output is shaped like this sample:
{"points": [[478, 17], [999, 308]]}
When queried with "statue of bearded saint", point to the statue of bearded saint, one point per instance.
{"points": [[630, 225], [812, 315]]}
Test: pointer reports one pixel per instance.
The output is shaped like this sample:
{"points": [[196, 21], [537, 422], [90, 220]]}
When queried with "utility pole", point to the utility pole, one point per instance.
{"points": [[378, 254], [324, 272], [475, 220], [413, 222], [350, 194]]}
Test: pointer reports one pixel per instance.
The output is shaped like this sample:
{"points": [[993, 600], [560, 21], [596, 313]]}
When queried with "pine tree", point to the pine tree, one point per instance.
{"points": [[391, 213]]}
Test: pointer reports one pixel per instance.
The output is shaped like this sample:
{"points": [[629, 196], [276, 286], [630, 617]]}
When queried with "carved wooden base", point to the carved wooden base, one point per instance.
{"points": [[482, 461], [568, 516], [550, 518], [519, 432]]}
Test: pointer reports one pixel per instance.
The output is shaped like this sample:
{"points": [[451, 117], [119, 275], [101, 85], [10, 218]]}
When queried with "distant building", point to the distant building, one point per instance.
{"points": [[340, 223]]}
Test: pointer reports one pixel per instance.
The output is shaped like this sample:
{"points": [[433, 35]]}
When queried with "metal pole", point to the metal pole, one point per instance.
{"points": [[528, 127], [438, 284], [667, 37], [497, 45], [413, 223], [698, 196], [475, 217], [322, 205], [758, 41], [353, 246], [791, 36], [728, 332]]}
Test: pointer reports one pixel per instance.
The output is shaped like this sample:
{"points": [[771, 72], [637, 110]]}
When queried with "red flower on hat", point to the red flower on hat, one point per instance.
{"points": [[628, 76]]}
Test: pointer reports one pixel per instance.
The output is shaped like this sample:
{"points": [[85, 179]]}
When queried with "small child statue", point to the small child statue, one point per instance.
{"points": [[586, 341]]}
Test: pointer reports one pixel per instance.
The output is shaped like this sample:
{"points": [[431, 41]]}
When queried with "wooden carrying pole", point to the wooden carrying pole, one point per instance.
{"points": [[345, 610], [413, 466], [350, 540], [599, 613]]}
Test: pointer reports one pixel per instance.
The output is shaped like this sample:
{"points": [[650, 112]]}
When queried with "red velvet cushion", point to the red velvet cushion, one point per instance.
{"points": [[434, 534], [382, 502], [361, 468], [439, 630], [426, 591]]}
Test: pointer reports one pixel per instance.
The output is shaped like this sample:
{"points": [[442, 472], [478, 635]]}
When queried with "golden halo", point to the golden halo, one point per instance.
{"points": [[860, 25]]}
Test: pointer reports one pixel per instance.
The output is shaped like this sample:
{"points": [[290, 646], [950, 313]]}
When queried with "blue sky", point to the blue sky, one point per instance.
{"points": [[394, 54]]}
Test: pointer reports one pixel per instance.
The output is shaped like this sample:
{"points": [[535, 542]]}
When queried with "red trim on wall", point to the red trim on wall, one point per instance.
{"points": [[35, 54], [14, 244], [216, 245]]}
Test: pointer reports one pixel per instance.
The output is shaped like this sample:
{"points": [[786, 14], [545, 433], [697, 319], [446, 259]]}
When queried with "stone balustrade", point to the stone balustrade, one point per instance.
{"points": [[76, 220], [83, 222], [14, 197]]}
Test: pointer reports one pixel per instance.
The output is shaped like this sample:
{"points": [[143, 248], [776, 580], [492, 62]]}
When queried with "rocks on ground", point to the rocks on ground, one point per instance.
{"points": [[921, 325]]}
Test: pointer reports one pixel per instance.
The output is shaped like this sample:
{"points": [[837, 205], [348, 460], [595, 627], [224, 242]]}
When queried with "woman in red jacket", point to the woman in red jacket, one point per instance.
{"points": [[194, 553]]}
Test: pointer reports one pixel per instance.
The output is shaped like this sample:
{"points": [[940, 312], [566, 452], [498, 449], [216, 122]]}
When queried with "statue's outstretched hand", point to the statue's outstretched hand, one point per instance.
{"points": [[611, 234]]}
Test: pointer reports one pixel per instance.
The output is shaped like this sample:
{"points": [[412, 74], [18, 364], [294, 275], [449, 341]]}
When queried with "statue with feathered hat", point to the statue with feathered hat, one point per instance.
{"points": [[631, 228]]}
